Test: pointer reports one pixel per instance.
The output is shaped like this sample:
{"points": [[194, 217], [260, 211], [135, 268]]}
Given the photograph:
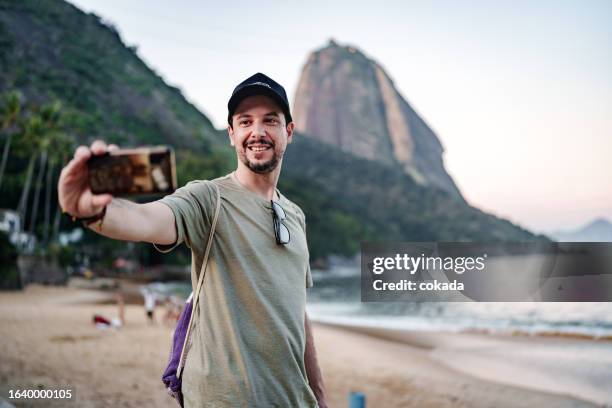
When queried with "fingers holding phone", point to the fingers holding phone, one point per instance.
{"points": [[99, 148], [74, 190]]}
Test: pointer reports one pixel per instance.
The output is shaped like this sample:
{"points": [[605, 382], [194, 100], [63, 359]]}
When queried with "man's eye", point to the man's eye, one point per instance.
{"points": [[244, 122], [272, 121]]}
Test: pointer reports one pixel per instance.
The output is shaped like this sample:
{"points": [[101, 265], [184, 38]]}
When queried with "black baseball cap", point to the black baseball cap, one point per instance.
{"points": [[259, 84]]}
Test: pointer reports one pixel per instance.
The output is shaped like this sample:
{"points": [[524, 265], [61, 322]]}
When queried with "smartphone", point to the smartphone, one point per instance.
{"points": [[132, 172]]}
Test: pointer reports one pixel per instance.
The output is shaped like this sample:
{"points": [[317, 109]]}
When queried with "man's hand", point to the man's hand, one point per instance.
{"points": [[74, 193], [315, 380]]}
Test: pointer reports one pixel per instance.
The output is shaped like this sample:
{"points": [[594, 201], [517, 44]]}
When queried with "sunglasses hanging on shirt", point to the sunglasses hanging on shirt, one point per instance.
{"points": [[281, 232]]}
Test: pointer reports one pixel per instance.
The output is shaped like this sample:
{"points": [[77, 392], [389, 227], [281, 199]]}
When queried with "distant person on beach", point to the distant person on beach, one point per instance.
{"points": [[121, 305], [149, 304], [102, 322], [253, 343], [173, 310]]}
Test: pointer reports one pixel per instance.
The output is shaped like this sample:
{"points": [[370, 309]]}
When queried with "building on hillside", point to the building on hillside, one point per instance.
{"points": [[10, 223]]}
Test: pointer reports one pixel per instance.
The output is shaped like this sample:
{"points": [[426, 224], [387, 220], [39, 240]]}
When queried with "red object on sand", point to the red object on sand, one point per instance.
{"points": [[101, 319]]}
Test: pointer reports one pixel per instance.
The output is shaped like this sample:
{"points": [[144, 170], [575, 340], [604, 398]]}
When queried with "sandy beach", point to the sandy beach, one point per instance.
{"points": [[47, 341]]}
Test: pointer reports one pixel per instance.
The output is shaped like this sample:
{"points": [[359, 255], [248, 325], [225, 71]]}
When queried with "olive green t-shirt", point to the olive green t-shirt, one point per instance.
{"points": [[248, 341]]}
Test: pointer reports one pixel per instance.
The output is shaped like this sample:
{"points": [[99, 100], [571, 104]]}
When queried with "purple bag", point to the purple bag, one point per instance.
{"points": [[172, 382]]}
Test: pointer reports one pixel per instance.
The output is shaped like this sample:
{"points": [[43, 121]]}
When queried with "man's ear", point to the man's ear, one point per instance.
{"points": [[230, 133], [290, 128]]}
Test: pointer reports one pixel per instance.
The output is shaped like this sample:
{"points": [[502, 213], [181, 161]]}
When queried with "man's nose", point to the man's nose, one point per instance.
{"points": [[259, 130]]}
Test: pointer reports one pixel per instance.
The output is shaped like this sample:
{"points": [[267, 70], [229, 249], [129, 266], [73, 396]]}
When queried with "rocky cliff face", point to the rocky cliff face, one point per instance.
{"points": [[346, 99]]}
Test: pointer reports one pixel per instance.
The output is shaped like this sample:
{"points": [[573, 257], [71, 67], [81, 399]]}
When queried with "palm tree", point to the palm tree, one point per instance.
{"points": [[40, 137], [49, 116], [22, 207], [59, 146], [49, 188], [9, 116], [33, 128], [37, 187]]}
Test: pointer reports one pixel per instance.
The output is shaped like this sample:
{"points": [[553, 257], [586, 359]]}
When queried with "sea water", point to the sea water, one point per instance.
{"points": [[336, 298]]}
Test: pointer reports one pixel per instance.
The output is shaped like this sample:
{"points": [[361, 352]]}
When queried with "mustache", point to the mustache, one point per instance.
{"points": [[260, 142]]}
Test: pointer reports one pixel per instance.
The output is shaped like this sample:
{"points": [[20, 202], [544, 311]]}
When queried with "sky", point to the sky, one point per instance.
{"points": [[519, 92]]}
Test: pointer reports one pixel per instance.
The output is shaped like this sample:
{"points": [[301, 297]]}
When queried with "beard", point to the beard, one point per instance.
{"points": [[261, 167]]}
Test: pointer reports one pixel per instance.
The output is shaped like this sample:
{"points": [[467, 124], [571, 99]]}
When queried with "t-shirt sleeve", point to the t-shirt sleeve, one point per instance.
{"points": [[192, 206]]}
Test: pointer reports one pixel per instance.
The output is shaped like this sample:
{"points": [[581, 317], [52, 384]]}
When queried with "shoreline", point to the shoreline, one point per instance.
{"points": [[493, 332]]}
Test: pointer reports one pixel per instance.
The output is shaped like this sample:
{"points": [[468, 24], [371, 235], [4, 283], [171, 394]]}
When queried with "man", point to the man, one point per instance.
{"points": [[252, 343]]}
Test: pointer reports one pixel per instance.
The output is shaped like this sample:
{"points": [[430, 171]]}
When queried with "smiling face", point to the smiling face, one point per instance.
{"points": [[259, 133]]}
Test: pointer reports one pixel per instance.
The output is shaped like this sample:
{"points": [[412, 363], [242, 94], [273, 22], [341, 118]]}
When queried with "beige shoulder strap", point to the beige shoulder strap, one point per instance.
{"points": [[196, 293]]}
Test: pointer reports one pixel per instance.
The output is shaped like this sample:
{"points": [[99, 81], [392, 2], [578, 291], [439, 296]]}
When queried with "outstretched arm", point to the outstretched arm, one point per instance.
{"points": [[312, 366], [129, 221]]}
